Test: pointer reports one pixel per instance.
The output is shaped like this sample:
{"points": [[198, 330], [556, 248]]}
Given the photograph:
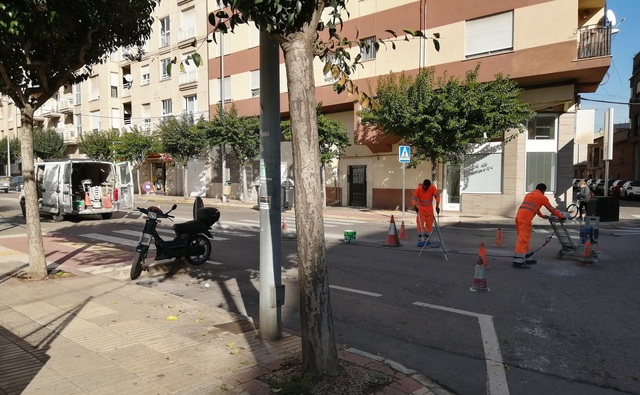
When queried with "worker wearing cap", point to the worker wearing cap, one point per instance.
{"points": [[423, 198], [529, 208]]}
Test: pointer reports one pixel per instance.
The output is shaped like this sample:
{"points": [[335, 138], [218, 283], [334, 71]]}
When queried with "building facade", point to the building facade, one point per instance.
{"points": [[554, 49]]}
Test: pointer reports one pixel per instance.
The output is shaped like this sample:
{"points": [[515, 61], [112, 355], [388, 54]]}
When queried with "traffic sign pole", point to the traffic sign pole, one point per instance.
{"points": [[404, 156], [403, 166]]}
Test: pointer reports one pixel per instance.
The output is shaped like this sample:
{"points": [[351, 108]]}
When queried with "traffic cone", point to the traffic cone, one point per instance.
{"points": [[499, 242], [479, 283], [587, 255], [483, 254], [87, 200], [403, 231], [284, 225], [392, 236]]}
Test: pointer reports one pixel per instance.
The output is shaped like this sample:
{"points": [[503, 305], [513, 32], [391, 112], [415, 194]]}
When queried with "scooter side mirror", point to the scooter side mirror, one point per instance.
{"points": [[175, 206]]}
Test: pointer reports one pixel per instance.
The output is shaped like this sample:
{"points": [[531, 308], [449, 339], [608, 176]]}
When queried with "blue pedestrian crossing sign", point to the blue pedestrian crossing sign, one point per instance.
{"points": [[404, 154]]}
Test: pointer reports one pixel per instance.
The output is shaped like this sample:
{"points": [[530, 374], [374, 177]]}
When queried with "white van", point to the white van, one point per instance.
{"points": [[79, 187]]}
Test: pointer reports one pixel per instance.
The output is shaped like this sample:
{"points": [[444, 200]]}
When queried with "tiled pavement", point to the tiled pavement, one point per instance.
{"points": [[91, 334]]}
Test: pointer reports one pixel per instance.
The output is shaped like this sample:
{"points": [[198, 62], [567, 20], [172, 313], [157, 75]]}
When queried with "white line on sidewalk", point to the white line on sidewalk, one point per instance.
{"points": [[496, 377]]}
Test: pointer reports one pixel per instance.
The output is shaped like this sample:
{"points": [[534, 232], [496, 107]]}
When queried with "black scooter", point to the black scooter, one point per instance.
{"points": [[191, 240]]}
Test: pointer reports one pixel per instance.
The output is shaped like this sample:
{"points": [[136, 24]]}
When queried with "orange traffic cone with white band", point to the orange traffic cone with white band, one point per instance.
{"points": [[483, 254], [87, 200], [587, 255], [403, 231], [479, 278], [392, 236], [499, 242]]}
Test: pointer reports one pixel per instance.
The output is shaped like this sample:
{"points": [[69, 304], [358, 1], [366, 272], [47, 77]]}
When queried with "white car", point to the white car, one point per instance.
{"points": [[630, 190]]}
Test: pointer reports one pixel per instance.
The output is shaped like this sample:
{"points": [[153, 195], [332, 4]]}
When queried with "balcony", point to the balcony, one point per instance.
{"points": [[66, 104], [595, 41], [187, 32]]}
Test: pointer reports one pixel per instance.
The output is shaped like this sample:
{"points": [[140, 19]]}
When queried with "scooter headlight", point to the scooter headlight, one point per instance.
{"points": [[152, 215]]}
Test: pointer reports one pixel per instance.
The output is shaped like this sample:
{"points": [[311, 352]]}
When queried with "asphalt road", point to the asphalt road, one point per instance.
{"points": [[558, 328]]}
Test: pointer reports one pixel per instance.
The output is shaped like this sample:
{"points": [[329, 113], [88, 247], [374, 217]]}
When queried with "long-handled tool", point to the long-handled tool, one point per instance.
{"points": [[437, 229]]}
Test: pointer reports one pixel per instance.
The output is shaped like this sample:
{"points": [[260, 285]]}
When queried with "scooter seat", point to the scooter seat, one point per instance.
{"points": [[193, 226]]}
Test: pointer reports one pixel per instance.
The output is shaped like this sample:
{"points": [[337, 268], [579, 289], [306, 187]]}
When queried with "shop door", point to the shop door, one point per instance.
{"points": [[451, 190], [358, 186]]}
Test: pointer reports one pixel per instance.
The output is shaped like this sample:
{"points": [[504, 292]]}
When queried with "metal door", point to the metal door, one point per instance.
{"points": [[451, 190], [51, 179], [124, 182], [358, 186]]}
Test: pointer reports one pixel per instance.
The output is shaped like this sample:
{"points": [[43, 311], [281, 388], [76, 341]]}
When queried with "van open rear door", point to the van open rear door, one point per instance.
{"points": [[51, 188], [124, 186]]}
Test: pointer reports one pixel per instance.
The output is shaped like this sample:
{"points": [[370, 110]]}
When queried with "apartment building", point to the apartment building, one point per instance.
{"points": [[554, 49], [124, 92]]}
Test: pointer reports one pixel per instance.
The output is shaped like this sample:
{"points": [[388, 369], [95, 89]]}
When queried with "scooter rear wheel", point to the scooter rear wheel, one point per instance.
{"points": [[136, 265], [199, 240]]}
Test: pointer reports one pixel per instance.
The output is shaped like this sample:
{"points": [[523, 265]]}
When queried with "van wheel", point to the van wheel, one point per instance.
{"points": [[106, 215], [58, 217]]}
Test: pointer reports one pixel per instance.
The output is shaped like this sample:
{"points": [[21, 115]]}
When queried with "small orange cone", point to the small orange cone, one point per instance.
{"points": [[87, 200], [587, 255], [499, 242], [403, 231], [483, 254], [392, 236], [479, 277]]}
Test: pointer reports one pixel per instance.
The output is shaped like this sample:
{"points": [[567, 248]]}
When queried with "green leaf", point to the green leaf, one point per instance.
{"points": [[169, 69], [212, 19]]}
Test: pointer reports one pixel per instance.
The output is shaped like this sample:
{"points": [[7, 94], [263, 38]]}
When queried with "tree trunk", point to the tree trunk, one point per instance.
{"points": [[323, 184], [243, 180], [185, 192], [37, 261], [316, 322]]}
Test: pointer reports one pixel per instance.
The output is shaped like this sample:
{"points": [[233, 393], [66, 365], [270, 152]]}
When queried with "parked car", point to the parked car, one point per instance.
{"points": [[614, 190], [17, 183], [597, 187], [5, 183], [630, 190]]}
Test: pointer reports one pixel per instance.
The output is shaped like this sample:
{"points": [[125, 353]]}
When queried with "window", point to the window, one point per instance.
{"points": [[164, 65], [164, 31], [188, 27], [329, 58], [146, 118], [542, 127], [115, 81], [191, 105], [115, 118], [78, 123], [190, 73], [489, 35], [167, 108], [95, 88], [144, 74], [77, 94], [368, 48], [541, 167], [226, 88], [255, 83], [482, 170], [541, 148], [95, 121]]}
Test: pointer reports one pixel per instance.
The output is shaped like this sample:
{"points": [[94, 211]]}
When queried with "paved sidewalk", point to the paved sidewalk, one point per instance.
{"points": [[91, 334]]}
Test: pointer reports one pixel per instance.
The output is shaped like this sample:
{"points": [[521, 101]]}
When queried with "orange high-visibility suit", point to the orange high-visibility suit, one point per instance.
{"points": [[423, 200], [528, 209]]}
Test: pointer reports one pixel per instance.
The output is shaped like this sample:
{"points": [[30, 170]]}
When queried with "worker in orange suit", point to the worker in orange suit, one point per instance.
{"points": [[523, 257], [423, 198]]}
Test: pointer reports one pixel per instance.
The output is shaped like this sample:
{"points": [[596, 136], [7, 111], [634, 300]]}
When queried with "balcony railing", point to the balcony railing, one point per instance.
{"points": [[594, 41], [187, 32]]}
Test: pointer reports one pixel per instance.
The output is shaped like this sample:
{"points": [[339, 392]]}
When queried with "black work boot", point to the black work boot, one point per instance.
{"points": [[517, 265]]}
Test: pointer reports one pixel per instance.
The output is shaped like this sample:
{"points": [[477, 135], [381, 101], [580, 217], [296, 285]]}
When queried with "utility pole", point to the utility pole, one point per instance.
{"points": [[223, 156], [271, 288]]}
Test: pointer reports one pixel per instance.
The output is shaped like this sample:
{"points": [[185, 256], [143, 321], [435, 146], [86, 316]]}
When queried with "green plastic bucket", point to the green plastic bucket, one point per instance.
{"points": [[350, 236], [78, 205]]}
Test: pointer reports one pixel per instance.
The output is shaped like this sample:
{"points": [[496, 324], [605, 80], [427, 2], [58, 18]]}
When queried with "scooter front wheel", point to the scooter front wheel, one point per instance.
{"points": [[200, 241], [136, 265]]}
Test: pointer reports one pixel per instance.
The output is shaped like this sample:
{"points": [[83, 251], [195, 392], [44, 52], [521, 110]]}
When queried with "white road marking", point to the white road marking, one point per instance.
{"points": [[356, 291], [496, 377]]}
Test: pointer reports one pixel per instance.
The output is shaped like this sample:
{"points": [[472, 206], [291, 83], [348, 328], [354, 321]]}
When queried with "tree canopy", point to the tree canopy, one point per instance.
{"points": [[47, 144], [47, 44], [440, 117], [135, 145], [100, 145]]}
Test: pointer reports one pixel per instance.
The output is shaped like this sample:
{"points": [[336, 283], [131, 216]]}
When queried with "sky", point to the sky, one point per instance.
{"points": [[624, 46]]}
